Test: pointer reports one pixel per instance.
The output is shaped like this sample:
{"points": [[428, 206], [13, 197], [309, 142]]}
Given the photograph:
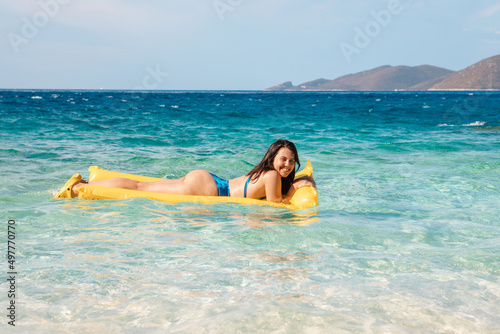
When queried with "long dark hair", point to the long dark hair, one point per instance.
{"points": [[267, 163]]}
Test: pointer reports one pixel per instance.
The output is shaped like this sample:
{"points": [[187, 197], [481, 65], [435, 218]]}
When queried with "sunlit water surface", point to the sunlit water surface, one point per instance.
{"points": [[406, 237]]}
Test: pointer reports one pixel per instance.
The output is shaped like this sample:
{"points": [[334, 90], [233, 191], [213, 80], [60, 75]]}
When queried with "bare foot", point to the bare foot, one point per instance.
{"points": [[77, 185]]}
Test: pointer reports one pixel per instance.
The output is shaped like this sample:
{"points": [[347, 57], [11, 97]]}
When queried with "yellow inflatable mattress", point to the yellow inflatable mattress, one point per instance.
{"points": [[303, 198]]}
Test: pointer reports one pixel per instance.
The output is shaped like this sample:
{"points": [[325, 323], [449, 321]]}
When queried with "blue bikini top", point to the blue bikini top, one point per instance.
{"points": [[246, 186]]}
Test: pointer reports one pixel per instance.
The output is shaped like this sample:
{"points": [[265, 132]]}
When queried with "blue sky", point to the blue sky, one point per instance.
{"points": [[233, 44]]}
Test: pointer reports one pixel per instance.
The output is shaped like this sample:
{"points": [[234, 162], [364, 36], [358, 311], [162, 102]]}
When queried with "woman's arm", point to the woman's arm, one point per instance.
{"points": [[298, 183], [272, 182]]}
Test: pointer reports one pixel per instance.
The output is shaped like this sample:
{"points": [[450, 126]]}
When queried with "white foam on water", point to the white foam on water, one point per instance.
{"points": [[477, 123]]}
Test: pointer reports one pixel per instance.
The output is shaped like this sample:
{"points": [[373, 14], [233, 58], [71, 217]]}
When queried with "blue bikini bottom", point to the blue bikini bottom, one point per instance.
{"points": [[222, 186]]}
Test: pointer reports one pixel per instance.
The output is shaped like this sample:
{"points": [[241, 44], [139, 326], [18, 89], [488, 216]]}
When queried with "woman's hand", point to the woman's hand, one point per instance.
{"points": [[297, 184], [285, 200]]}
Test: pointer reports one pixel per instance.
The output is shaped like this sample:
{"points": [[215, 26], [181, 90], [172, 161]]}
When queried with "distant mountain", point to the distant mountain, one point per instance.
{"points": [[482, 75], [378, 79]]}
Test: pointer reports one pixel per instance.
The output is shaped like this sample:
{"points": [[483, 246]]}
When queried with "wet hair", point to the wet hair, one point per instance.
{"points": [[267, 163]]}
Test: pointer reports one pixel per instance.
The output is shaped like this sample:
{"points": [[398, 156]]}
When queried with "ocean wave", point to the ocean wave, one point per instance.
{"points": [[477, 123]]}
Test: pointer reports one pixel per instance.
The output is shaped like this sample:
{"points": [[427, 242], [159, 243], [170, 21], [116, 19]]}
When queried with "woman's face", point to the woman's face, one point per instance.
{"points": [[284, 162]]}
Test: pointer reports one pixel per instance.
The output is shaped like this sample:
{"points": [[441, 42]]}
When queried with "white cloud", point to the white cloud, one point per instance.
{"points": [[20, 7], [118, 17], [490, 11]]}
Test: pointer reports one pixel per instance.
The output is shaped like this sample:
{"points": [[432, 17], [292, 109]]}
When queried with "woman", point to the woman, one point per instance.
{"points": [[271, 178]]}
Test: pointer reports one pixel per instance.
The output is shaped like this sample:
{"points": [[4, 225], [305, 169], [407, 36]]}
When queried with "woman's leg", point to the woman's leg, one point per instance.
{"points": [[198, 182]]}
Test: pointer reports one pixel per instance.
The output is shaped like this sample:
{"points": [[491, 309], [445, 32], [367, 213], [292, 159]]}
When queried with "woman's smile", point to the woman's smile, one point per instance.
{"points": [[284, 162]]}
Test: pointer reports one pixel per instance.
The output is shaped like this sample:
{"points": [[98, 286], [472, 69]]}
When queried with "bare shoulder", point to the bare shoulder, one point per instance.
{"points": [[272, 175]]}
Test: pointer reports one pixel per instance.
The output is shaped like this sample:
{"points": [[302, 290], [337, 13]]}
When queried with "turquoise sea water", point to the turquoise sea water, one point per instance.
{"points": [[406, 237]]}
